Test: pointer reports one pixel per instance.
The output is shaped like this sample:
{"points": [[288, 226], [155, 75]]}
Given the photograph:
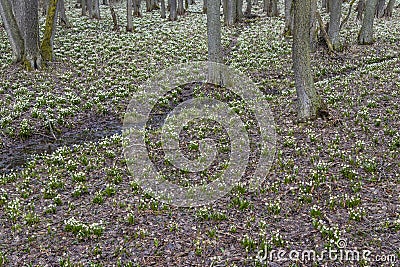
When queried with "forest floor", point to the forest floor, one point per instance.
{"points": [[334, 183]]}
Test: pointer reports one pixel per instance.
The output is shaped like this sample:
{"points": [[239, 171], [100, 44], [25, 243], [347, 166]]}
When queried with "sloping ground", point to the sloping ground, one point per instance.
{"points": [[332, 180]]}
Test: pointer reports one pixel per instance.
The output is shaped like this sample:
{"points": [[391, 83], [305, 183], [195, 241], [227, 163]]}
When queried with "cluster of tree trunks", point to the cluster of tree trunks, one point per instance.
{"points": [[21, 22]]}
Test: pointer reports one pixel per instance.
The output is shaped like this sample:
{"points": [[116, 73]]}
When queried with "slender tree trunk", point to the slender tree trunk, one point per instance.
{"points": [[136, 8], [271, 8], [163, 12], [84, 8], [288, 18], [380, 9], [172, 12], [204, 6], [181, 9], [308, 102], [63, 17], [366, 34], [47, 46], [239, 10], [12, 29], [334, 23], [90, 7], [360, 9], [247, 13], [114, 15], [96, 9], [214, 41], [313, 26], [389, 9], [129, 25]]}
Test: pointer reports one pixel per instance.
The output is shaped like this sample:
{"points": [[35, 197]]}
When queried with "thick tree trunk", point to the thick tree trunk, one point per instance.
{"points": [[96, 9], [172, 12], [129, 24], [163, 12], [288, 18], [214, 41], [366, 34], [308, 102], [33, 59], [380, 8], [46, 47], [389, 9], [334, 23], [12, 29]]}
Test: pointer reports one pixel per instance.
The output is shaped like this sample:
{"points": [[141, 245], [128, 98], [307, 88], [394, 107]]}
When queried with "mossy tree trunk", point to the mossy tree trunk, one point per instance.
{"points": [[48, 37], [308, 102]]}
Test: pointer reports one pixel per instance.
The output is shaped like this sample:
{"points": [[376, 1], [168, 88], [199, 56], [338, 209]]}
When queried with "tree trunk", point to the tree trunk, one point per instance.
{"points": [[214, 41], [380, 9], [47, 43], [33, 59], [239, 10], [172, 12], [63, 17], [366, 33], [114, 15], [308, 102], [205, 6], [136, 8], [181, 9], [247, 13], [13, 32], [288, 18], [271, 8], [96, 9], [360, 9], [129, 25], [389, 9], [334, 23], [84, 9], [89, 7], [163, 12], [313, 26]]}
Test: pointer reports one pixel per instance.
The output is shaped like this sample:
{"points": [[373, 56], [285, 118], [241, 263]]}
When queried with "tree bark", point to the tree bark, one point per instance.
{"points": [[12, 29], [313, 26], [114, 15], [380, 9], [205, 6], [63, 17], [271, 8], [96, 9], [247, 13], [288, 18], [308, 102], [360, 9], [334, 23], [48, 37], [366, 33], [172, 12], [163, 12], [84, 8], [136, 8], [181, 9], [214, 41], [389, 9], [129, 24], [89, 7], [33, 59]]}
